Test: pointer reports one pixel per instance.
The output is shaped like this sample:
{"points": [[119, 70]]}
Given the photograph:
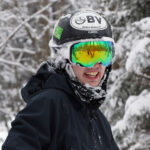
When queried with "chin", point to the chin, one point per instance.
{"points": [[94, 84]]}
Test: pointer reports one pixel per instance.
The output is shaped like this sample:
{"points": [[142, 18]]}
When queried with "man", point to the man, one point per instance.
{"points": [[64, 96]]}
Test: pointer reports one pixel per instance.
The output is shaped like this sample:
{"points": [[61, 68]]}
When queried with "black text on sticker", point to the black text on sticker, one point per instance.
{"points": [[92, 19]]}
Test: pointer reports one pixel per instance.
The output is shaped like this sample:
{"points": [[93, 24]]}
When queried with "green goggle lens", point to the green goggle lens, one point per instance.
{"points": [[89, 53]]}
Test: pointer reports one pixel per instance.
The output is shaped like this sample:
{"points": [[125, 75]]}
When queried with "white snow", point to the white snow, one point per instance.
{"points": [[143, 24], [3, 133], [135, 106], [139, 57]]}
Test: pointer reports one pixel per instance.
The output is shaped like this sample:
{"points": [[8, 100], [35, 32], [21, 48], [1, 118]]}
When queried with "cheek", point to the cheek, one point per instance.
{"points": [[78, 71], [103, 70]]}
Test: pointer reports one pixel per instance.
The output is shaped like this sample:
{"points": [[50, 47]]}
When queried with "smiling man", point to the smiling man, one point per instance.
{"points": [[91, 76], [64, 96]]}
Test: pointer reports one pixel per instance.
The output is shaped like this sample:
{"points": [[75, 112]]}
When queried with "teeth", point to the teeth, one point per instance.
{"points": [[92, 73]]}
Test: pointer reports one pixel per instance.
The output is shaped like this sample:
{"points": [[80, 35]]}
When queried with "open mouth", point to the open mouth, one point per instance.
{"points": [[92, 75]]}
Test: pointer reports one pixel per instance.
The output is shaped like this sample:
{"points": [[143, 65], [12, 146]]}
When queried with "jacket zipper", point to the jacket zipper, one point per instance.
{"points": [[95, 138]]}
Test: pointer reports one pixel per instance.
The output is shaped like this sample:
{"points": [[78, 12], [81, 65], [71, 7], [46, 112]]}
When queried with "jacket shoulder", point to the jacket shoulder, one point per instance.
{"points": [[50, 95]]}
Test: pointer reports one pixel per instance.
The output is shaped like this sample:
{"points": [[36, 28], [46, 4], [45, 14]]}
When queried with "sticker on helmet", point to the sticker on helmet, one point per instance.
{"points": [[58, 32], [88, 21]]}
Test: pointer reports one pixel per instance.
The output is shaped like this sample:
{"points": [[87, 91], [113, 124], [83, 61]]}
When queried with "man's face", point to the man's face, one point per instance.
{"points": [[91, 76]]}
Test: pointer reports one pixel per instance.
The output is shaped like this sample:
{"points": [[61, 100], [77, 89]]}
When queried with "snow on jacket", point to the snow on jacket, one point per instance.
{"points": [[56, 119]]}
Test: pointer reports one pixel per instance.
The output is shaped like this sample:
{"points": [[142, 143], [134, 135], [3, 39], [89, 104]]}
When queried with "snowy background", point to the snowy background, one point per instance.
{"points": [[25, 29]]}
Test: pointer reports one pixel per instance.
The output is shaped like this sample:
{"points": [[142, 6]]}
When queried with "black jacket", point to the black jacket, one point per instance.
{"points": [[56, 119]]}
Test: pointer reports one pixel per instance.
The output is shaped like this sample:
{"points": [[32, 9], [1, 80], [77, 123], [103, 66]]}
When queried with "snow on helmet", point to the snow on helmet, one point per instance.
{"points": [[79, 26]]}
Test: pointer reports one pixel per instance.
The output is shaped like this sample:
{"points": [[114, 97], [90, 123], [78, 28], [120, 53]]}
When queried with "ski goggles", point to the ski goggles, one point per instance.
{"points": [[88, 53]]}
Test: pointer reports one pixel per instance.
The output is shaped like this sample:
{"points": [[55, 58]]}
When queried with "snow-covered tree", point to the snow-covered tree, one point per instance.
{"points": [[128, 106]]}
